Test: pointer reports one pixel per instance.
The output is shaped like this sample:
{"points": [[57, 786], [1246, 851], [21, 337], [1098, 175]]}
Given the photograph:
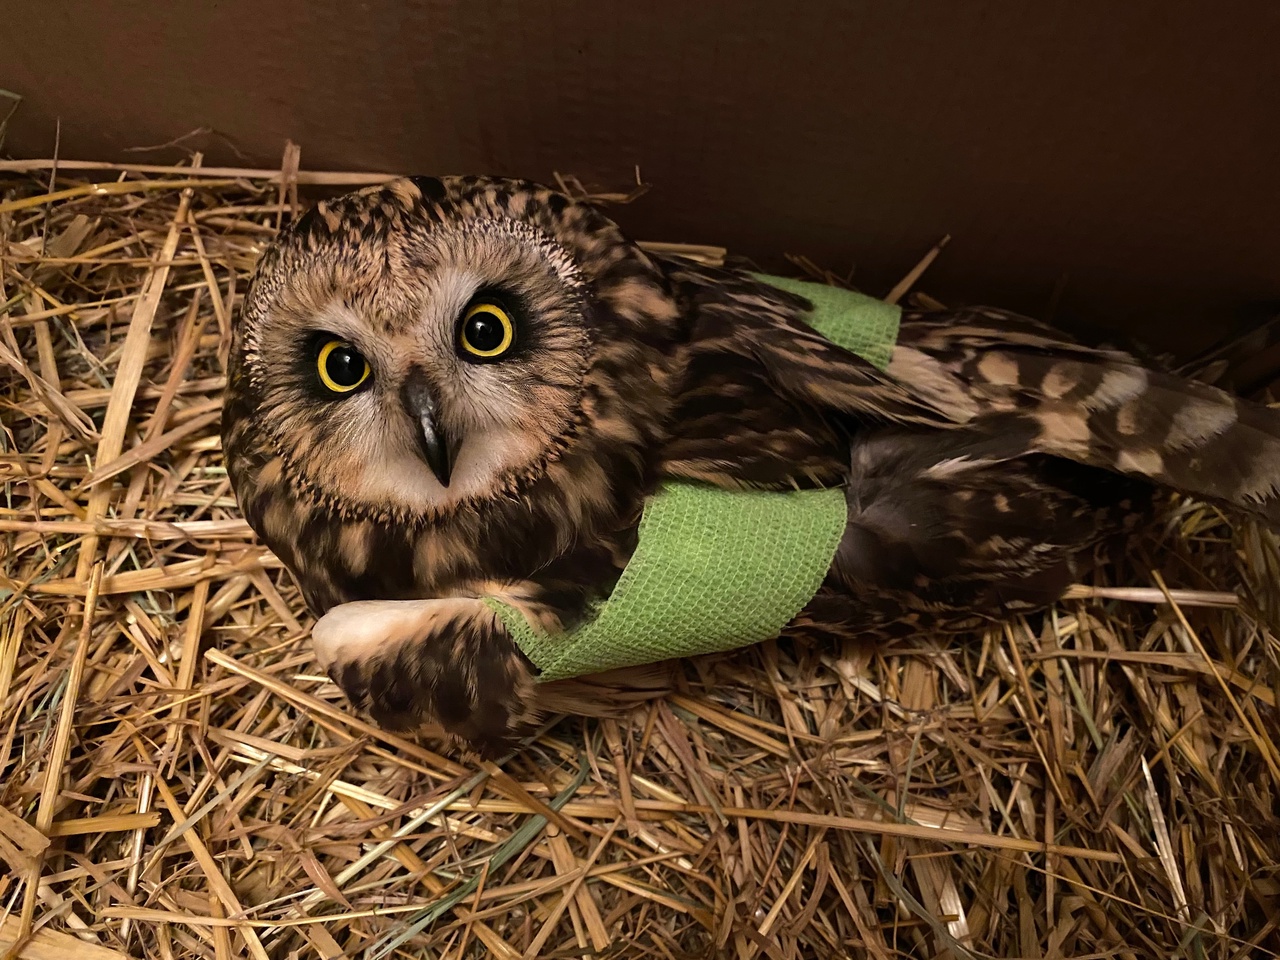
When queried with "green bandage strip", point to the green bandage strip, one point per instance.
{"points": [[713, 569], [861, 324]]}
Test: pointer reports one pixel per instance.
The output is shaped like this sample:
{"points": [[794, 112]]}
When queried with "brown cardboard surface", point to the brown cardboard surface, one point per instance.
{"points": [[1129, 148]]}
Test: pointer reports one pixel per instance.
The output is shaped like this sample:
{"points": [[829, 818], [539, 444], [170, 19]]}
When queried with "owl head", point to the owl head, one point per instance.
{"points": [[428, 343]]}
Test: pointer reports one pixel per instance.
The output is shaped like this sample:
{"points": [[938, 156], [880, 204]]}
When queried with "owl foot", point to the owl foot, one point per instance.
{"points": [[409, 663]]}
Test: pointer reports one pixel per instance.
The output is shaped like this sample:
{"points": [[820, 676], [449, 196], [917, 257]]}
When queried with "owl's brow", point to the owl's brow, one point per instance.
{"points": [[341, 317], [561, 261]]}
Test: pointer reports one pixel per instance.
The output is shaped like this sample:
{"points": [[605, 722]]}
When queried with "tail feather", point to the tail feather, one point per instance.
{"points": [[1183, 434], [1099, 407], [1246, 363]]}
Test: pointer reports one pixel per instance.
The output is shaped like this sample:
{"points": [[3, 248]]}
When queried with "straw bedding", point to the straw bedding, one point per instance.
{"points": [[177, 781]]}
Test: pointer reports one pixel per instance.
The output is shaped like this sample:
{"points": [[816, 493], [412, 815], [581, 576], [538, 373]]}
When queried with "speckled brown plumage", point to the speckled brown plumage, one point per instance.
{"points": [[982, 469]]}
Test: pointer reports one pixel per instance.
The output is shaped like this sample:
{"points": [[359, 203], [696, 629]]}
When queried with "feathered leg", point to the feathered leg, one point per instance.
{"points": [[413, 662]]}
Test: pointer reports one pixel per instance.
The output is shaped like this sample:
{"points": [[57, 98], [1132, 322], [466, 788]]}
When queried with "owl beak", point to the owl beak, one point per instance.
{"points": [[437, 448]]}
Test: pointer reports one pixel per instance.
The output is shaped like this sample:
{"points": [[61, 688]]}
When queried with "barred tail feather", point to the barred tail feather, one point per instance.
{"points": [[1186, 435]]}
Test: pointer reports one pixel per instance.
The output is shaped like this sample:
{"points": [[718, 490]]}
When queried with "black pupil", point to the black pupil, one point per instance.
{"points": [[344, 366], [484, 332]]}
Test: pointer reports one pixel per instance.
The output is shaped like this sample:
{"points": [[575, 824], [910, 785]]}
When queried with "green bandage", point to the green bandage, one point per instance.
{"points": [[861, 324], [717, 569]]}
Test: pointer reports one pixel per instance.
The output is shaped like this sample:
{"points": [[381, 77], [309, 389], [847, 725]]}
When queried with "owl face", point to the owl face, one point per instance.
{"points": [[408, 361], [438, 383]]}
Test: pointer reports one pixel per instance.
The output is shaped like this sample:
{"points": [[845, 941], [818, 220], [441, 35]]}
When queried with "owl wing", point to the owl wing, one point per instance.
{"points": [[1096, 407], [769, 401], [766, 401]]}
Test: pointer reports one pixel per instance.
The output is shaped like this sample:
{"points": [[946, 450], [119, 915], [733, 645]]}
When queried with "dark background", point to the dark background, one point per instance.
{"points": [[1127, 152]]}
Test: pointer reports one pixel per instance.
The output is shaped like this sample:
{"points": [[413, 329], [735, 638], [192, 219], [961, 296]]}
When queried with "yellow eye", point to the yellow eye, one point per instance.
{"points": [[486, 332], [341, 367]]}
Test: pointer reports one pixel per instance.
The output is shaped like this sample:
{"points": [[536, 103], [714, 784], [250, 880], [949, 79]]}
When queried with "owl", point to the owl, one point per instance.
{"points": [[442, 390]]}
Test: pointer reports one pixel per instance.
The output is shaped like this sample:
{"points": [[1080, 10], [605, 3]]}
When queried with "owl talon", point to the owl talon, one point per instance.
{"points": [[409, 663]]}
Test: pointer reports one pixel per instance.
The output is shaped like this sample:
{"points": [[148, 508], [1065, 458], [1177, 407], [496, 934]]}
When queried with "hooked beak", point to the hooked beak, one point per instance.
{"points": [[437, 448]]}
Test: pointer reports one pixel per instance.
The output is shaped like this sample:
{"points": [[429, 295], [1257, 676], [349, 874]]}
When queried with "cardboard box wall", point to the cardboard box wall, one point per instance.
{"points": [[1124, 153]]}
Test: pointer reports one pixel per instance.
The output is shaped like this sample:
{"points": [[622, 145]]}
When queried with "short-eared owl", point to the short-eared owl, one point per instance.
{"points": [[447, 389]]}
